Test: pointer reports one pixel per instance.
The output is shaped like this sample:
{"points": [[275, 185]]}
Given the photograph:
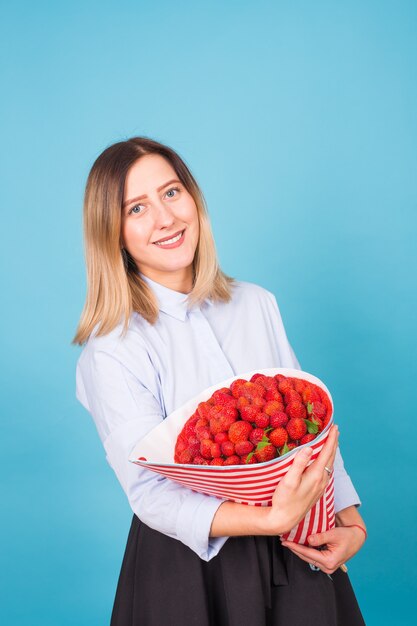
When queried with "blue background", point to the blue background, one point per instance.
{"points": [[299, 121]]}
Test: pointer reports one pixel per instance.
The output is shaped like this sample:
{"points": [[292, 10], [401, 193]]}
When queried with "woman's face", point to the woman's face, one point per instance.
{"points": [[157, 206]]}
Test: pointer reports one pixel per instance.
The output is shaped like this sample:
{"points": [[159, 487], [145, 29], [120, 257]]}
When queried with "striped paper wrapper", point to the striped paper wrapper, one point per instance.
{"points": [[252, 484]]}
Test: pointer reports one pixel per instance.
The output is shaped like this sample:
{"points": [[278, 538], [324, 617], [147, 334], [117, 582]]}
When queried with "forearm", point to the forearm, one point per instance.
{"points": [[349, 516], [233, 519]]}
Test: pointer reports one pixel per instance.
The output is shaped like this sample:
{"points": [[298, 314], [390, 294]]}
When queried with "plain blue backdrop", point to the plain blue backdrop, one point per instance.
{"points": [[298, 120]]}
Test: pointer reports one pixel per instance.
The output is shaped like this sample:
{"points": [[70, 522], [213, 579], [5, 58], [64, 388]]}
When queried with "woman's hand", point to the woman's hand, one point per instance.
{"points": [[341, 543], [302, 486]]}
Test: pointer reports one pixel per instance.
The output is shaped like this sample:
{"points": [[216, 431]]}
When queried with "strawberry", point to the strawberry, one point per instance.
{"points": [[186, 456], [279, 377], [241, 402], [262, 420], [256, 435], [319, 410], [201, 422], [296, 409], [221, 437], [232, 460], [292, 396], [215, 426], [307, 438], [225, 421], [249, 413], [279, 419], [285, 385], [189, 428], [236, 387], [311, 394], [221, 396], [252, 390], [228, 448], [258, 377], [273, 394], [205, 448], [194, 445], [296, 428], [203, 410], [266, 453], [243, 447], [278, 436], [215, 450], [299, 385], [239, 431], [203, 433], [248, 459], [273, 407], [198, 460], [259, 402], [217, 461]]}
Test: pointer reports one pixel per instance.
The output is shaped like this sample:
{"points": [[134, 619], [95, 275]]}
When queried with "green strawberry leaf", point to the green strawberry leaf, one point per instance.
{"points": [[310, 408], [284, 449], [266, 430], [249, 456], [261, 445], [312, 427]]}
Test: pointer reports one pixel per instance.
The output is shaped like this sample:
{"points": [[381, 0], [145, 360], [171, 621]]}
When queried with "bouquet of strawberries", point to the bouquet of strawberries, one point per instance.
{"points": [[236, 440]]}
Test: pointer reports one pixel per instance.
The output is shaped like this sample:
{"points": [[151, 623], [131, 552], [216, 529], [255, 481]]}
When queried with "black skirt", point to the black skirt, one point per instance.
{"points": [[252, 581]]}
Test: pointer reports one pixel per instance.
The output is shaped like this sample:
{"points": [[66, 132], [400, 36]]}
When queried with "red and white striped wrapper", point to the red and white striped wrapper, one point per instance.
{"points": [[252, 484]]}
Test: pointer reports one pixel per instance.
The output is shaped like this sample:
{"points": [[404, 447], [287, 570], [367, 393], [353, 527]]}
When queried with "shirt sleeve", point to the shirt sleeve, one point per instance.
{"points": [[124, 411], [344, 492]]}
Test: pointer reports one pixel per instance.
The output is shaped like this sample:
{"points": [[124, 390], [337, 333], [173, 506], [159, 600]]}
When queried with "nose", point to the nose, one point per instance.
{"points": [[163, 215]]}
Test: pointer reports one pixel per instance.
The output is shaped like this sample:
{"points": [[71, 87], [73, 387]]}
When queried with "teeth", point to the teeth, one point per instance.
{"points": [[173, 240]]}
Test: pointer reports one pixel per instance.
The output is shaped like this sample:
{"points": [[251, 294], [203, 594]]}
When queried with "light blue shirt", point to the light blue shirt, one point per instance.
{"points": [[129, 385]]}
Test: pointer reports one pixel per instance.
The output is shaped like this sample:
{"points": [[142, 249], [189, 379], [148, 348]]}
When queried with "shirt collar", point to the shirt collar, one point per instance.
{"points": [[172, 302]]}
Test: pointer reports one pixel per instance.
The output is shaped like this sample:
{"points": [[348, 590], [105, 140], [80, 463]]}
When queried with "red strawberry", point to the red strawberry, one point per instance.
{"points": [[278, 437], [296, 428], [217, 461], [262, 420], [241, 402], [194, 445], [266, 453], [215, 426], [249, 413], [272, 407], [228, 448], [225, 421], [273, 394], [236, 387], [292, 396], [186, 456], [189, 427], [311, 394], [201, 422], [285, 385], [279, 419], [232, 460], [257, 377], [259, 402], [319, 410], [252, 390], [243, 447], [220, 396], [296, 409], [256, 435], [198, 460], [307, 438], [221, 437], [203, 433], [299, 385], [239, 431], [248, 459], [203, 410], [205, 448], [215, 450]]}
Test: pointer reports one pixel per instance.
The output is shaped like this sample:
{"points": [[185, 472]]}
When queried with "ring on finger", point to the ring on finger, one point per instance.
{"points": [[328, 470]]}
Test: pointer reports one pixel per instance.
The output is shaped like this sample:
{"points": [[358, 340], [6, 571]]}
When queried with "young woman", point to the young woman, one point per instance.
{"points": [[161, 322]]}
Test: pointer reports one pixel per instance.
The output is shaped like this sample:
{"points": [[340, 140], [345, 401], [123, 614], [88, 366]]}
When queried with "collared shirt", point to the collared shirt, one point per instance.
{"points": [[130, 384]]}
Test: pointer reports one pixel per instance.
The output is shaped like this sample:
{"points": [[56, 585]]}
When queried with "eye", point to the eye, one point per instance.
{"points": [[173, 189], [133, 209]]}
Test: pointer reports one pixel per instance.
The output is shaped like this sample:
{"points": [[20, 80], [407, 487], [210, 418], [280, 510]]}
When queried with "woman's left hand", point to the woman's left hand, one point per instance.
{"points": [[341, 543]]}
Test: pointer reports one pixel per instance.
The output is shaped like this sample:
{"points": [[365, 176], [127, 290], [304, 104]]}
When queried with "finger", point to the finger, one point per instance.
{"points": [[310, 553], [320, 539], [312, 561], [293, 476], [328, 451]]}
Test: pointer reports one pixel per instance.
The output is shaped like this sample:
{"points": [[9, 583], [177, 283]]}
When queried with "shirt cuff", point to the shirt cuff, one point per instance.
{"points": [[194, 522], [345, 493]]}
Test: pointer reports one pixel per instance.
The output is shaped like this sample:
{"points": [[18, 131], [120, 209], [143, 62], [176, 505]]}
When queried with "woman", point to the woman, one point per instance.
{"points": [[162, 322]]}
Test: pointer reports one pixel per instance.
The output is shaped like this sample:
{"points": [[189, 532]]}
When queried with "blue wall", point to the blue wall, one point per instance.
{"points": [[298, 120]]}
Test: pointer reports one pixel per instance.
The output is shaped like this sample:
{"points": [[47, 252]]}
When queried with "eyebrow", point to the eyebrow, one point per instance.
{"points": [[127, 202]]}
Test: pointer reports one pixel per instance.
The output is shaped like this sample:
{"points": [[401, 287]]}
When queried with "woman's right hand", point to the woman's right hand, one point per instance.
{"points": [[301, 486]]}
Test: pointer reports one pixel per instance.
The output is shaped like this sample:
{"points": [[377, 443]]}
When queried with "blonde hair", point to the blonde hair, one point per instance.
{"points": [[114, 287]]}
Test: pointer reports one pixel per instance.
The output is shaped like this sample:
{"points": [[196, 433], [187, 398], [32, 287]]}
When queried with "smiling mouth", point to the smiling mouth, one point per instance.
{"points": [[169, 240]]}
